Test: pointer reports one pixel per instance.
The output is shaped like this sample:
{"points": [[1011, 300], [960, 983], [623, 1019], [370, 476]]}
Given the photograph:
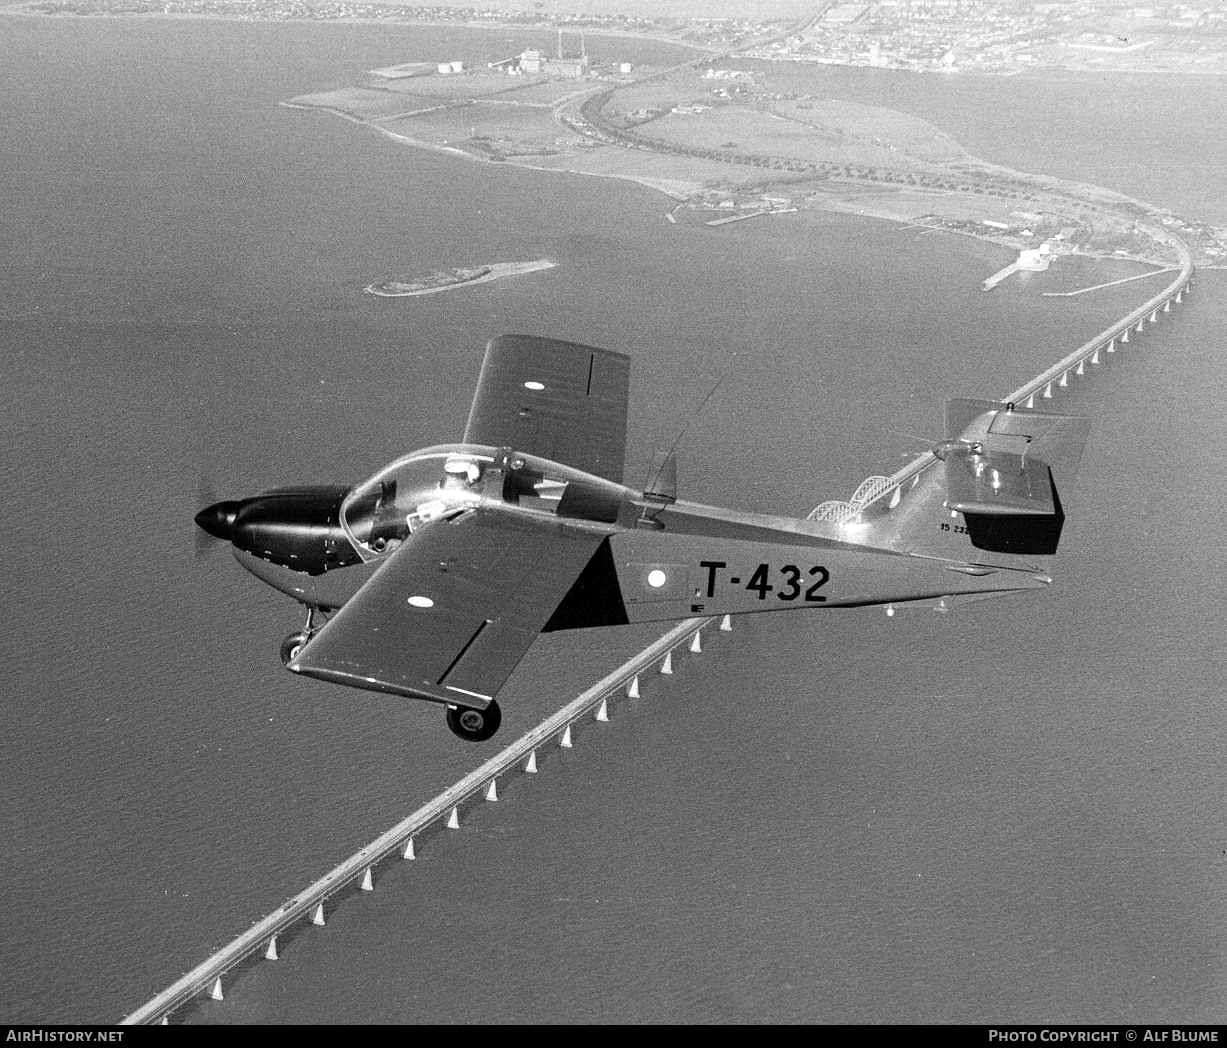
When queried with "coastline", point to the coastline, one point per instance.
{"points": [[25, 8], [675, 189], [850, 201]]}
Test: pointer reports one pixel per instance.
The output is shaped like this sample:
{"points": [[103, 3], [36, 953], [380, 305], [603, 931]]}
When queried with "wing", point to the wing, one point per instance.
{"points": [[452, 612], [559, 400]]}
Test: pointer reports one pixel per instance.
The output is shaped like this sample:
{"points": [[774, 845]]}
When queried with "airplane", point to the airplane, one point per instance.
{"points": [[431, 579]]}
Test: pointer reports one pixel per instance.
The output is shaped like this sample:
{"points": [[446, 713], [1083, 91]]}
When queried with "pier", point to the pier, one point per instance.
{"points": [[1031, 260], [1106, 284], [750, 214], [359, 873]]}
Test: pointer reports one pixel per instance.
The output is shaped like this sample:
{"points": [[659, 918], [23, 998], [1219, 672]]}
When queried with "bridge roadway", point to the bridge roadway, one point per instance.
{"points": [[358, 869]]}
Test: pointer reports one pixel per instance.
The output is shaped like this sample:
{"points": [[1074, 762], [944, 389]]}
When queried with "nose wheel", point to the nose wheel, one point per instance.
{"points": [[474, 725]]}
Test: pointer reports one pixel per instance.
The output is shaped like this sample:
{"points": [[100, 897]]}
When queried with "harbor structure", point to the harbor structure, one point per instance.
{"points": [[405, 69], [1030, 260]]}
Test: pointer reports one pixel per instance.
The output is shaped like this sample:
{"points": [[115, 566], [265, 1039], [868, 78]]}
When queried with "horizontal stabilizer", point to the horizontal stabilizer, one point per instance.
{"points": [[999, 483], [999, 462], [993, 428]]}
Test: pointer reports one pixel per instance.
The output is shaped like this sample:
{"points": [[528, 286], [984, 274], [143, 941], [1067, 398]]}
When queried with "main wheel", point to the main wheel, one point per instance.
{"points": [[291, 646], [474, 725]]}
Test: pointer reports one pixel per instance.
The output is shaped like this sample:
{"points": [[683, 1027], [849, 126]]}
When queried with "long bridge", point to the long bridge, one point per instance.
{"points": [[399, 844]]}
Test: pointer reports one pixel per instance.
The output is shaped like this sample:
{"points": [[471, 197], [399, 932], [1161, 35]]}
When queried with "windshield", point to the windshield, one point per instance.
{"points": [[436, 482], [428, 485]]}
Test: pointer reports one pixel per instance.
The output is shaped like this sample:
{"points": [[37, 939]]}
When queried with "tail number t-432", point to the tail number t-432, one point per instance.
{"points": [[792, 582]]}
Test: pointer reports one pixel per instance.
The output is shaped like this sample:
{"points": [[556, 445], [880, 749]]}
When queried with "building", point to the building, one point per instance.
{"points": [[536, 62]]}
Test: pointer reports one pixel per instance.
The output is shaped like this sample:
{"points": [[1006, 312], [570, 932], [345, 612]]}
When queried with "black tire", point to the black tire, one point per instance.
{"points": [[291, 646], [474, 725]]}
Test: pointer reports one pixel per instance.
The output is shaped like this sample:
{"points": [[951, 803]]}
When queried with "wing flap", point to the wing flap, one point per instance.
{"points": [[453, 611], [559, 400]]}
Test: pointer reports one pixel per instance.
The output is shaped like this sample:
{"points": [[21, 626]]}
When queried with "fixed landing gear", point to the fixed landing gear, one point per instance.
{"points": [[291, 646], [474, 725], [294, 643]]}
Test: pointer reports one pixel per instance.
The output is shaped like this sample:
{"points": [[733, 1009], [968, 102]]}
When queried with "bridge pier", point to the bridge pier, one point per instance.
{"points": [[1064, 380], [1167, 306], [632, 691], [1095, 356], [726, 624], [1123, 339], [531, 767], [368, 881], [453, 820], [1154, 317], [602, 713], [1141, 323], [666, 667], [408, 853], [215, 991], [565, 742], [317, 918], [696, 643], [492, 790], [270, 951], [1030, 401], [1081, 370], [1048, 391]]}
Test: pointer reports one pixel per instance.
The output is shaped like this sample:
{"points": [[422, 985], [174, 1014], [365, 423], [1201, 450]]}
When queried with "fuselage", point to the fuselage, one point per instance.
{"points": [[660, 559]]}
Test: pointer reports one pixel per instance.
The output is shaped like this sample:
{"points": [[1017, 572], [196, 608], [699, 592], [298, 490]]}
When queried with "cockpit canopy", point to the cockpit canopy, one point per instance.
{"points": [[439, 482]]}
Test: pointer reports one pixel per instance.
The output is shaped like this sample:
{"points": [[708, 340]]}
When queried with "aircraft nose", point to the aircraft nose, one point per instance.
{"points": [[218, 519]]}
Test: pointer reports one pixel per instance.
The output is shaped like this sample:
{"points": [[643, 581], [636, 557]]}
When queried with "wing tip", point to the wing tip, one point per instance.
{"points": [[516, 340]]}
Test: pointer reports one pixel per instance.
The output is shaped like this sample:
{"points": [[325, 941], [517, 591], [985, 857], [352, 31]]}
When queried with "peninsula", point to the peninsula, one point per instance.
{"points": [[451, 279]]}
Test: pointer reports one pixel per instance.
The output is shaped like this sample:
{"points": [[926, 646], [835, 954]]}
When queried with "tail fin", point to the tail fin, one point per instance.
{"points": [[989, 494]]}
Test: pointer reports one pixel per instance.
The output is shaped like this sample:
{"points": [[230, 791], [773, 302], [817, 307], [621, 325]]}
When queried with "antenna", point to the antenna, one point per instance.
{"points": [[660, 469]]}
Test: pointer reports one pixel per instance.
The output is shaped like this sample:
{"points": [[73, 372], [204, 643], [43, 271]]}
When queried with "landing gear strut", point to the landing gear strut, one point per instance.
{"points": [[293, 644], [474, 725]]}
